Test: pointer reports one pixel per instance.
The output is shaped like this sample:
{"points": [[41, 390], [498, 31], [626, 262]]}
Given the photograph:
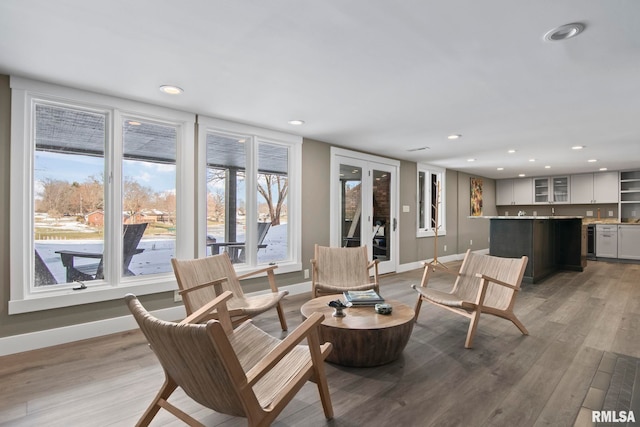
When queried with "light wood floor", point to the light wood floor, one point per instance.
{"points": [[506, 380]]}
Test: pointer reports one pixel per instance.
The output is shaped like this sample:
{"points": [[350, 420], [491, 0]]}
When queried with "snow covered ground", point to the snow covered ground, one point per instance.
{"points": [[157, 254]]}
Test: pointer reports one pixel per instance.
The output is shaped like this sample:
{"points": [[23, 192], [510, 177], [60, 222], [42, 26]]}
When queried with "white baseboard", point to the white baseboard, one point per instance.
{"points": [[50, 337]]}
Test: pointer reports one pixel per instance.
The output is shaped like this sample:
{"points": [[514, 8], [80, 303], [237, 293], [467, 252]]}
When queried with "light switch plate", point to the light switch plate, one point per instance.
{"points": [[405, 208], [589, 213]]}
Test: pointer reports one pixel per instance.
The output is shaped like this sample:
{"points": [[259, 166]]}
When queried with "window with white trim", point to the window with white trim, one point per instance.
{"points": [[431, 201], [251, 177], [99, 191]]}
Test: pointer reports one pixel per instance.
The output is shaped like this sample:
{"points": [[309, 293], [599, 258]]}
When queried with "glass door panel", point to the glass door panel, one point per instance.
{"points": [[351, 205], [381, 209]]}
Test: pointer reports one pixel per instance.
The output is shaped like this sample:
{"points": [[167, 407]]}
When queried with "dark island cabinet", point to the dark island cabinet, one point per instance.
{"points": [[551, 243]]}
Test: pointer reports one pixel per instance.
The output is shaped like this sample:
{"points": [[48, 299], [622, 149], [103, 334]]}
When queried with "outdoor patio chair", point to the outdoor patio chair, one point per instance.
{"points": [[202, 280], [336, 270], [131, 235], [43, 275], [236, 250], [484, 284], [243, 372]]}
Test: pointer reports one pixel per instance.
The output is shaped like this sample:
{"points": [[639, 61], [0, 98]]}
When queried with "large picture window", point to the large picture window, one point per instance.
{"points": [[431, 201], [251, 178], [95, 190]]}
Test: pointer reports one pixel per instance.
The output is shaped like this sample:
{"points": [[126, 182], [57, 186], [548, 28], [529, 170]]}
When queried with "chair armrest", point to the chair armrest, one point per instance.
{"points": [[286, 345], [372, 264], [496, 281], [214, 283], [81, 254], [253, 273], [219, 303]]}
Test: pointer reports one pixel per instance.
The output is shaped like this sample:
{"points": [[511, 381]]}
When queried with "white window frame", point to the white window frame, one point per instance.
{"points": [[428, 230], [23, 296], [294, 205]]}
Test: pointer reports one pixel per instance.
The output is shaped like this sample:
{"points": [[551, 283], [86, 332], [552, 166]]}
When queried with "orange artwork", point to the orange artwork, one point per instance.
{"points": [[476, 196]]}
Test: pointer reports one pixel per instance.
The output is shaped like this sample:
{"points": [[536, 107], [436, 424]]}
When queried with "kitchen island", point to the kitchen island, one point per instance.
{"points": [[552, 243]]}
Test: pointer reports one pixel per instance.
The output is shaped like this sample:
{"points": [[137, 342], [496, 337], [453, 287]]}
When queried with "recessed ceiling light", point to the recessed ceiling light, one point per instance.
{"points": [[454, 136], [532, 160], [603, 169], [296, 122], [500, 169], [171, 90], [511, 151], [564, 32], [134, 123], [577, 147], [592, 160], [471, 160], [521, 175], [547, 167]]}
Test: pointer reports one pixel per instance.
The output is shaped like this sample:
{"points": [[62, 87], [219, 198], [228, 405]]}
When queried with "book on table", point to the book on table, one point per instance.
{"points": [[369, 297]]}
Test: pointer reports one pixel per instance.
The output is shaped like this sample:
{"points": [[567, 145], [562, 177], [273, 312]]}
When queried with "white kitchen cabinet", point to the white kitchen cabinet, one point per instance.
{"points": [[514, 192], [594, 188], [551, 189], [629, 241], [606, 240]]}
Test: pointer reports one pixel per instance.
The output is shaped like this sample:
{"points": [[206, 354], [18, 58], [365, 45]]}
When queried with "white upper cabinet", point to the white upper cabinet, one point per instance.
{"points": [[594, 188], [514, 192], [551, 189]]}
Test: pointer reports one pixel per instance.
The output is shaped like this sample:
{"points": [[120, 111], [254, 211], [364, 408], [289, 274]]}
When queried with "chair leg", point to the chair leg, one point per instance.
{"points": [[518, 324], [167, 388], [417, 309], [473, 326], [283, 321]]}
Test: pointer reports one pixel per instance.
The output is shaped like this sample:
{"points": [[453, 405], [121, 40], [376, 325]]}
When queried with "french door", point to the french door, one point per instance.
{"points": [[364, 205]]}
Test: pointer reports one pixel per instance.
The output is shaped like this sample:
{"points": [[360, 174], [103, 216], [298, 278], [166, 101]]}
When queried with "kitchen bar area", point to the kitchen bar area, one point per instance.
{"points": [[552, 243]]}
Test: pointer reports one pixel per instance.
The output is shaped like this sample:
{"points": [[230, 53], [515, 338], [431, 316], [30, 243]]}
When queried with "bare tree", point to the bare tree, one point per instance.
{"points": [[55, 197], [273, 188], [215, 205], [135, 198]]}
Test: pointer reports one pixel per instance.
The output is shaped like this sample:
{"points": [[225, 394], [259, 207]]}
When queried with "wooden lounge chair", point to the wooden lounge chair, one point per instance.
{"points": [[202, 280], [131, 235], [484, 284], [243, 372], [336, 270]]}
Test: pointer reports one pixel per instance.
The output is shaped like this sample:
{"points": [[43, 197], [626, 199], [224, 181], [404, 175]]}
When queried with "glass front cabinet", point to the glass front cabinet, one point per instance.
{"points": [[553, 189]]}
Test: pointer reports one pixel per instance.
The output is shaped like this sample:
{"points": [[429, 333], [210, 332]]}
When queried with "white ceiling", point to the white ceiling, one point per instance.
{"points": [[381, 76]]}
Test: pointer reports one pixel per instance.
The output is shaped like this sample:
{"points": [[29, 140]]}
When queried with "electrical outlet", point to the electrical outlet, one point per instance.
{"points": [[176, 296], [589, 213], [506, 213], [470, 242], [535, 213], [633, 214], [611, 213], [445, 248], [306, 273]]}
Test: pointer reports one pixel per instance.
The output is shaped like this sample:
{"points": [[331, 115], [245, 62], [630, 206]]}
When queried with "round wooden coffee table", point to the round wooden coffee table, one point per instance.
{"points": [[363, 337]]}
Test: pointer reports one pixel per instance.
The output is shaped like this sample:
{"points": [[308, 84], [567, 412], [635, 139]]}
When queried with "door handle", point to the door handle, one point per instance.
{"points": [[395, 224]]}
